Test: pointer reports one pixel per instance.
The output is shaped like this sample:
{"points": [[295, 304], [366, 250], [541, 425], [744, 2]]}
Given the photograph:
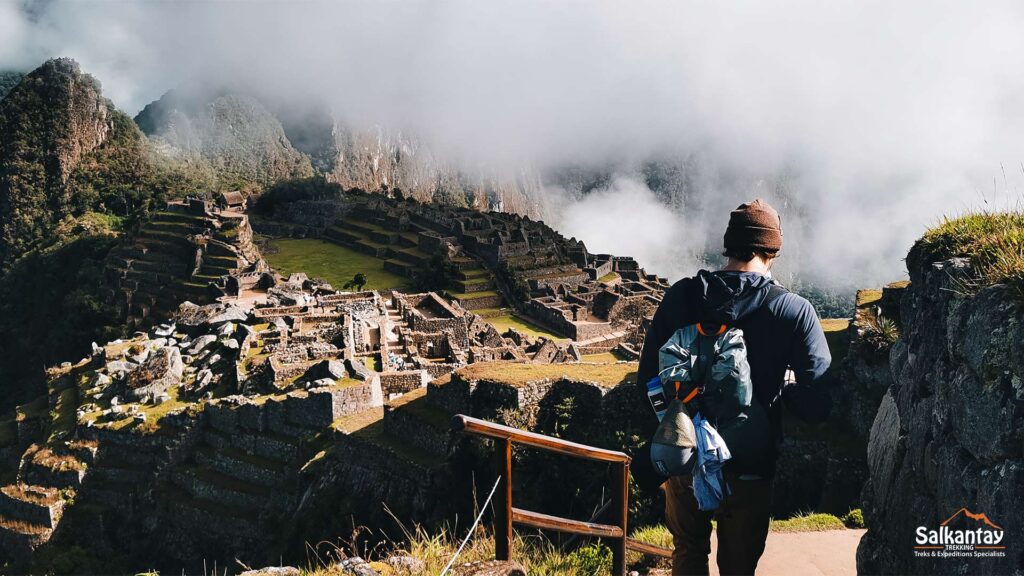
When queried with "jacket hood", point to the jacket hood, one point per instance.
{"points": [[728, 296]]}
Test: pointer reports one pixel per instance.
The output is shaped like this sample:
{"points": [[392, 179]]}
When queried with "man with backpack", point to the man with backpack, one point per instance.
{"points": [[781, 332]]}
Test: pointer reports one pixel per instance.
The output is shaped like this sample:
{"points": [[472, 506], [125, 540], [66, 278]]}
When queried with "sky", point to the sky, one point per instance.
{"points": [[865, 121]]}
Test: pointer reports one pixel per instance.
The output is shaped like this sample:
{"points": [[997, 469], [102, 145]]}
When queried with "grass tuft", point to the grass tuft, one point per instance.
{"points": [[808, 523], [992, 241]]}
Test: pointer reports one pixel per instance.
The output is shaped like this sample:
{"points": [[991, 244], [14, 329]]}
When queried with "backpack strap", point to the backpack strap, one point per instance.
{"points": [[775, 291]]}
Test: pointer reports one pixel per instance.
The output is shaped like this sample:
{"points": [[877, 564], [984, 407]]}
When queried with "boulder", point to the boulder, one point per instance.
{"points": [[356, 566], [203, 377], [321, 383], [118, 369], [229, 314], [200, 344], [358, 369], [333, 369], [99, 380], [192, 317], [407, 565], [161, 371]]}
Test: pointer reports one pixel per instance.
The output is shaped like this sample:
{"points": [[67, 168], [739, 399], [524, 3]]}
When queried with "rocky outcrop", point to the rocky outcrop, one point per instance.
{"points": [[151, 381], [948, 435], [378, 159], [48, 122], [234, 134]]}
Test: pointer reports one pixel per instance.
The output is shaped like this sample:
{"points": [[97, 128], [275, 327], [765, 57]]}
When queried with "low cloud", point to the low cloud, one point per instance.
{"points": [[864, 121]]}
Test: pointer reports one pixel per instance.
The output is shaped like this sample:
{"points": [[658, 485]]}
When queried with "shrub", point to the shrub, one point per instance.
{"points": [[854, 518]]}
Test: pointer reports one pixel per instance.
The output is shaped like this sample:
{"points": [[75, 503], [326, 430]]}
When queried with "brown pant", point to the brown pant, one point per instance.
{"points": [[742, 517]]}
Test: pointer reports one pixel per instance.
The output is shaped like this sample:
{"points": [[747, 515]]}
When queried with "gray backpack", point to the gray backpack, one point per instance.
{"points": [[706, 371]]}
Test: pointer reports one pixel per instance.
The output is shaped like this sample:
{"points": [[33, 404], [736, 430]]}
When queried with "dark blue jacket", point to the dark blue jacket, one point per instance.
{"points": [[784, 334]]}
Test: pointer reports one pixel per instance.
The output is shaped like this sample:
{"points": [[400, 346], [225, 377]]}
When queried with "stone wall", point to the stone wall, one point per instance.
{"points": [[402, 382], [948, 434]]}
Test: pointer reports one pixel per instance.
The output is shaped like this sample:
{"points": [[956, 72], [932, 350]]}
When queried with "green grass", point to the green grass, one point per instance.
{"points": [[602, 357], [608, 277], [373, 363], [868, 296], [334, 263], [838, 337], [472, 295], [516, 374], [536, 553], [993, 241], [510, 320], [854, 519], [808, 523]]}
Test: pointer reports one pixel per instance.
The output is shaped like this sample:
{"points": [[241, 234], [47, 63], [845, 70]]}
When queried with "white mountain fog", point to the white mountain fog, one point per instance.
{"points": [[864, 122]]}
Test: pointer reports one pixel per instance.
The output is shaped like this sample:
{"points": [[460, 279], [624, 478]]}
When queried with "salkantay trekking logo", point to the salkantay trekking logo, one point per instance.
{"points": [[983, 539]]}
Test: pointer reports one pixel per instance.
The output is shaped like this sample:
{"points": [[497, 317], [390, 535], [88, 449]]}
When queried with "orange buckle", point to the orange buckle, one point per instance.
{"points": [[721, 330]]}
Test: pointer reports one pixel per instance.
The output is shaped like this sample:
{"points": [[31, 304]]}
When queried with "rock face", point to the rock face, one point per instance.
{"points": [[380, 159], [48, 122], [241, 141], [948, 435]]}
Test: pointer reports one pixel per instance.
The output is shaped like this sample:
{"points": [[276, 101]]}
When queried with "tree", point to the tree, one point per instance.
{"points": [[357, 282], [631, 315]]}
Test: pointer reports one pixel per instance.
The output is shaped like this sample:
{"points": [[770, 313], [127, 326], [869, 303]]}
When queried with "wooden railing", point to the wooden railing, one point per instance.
{"points": [[506, 514]]}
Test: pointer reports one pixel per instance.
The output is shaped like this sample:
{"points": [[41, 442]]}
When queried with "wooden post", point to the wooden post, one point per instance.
{"points": [[620, 508], [503, 503]]}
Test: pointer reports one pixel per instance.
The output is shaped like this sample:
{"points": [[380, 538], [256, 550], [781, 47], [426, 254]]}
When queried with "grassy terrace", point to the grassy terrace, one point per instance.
{"points": [[355, 422], [334, 263], [515, 374], [837, 336], [993, 241], [510, 320]]}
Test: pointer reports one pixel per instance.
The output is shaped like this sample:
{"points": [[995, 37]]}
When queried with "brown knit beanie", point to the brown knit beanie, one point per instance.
{"points": [[754, 226]]}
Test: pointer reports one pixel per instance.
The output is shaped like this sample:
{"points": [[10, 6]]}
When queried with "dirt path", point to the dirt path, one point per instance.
{"points": [[806, 553]]}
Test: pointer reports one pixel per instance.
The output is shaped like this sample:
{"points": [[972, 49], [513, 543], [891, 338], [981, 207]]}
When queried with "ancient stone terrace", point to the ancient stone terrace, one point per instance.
{"points": [[504, 258], [189, 250], [211, 425], [407, 242]]}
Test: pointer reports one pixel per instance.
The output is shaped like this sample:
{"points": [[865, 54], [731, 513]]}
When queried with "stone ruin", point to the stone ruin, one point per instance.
{"points": [[504, 260], [191, 250], [223, 422]]}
